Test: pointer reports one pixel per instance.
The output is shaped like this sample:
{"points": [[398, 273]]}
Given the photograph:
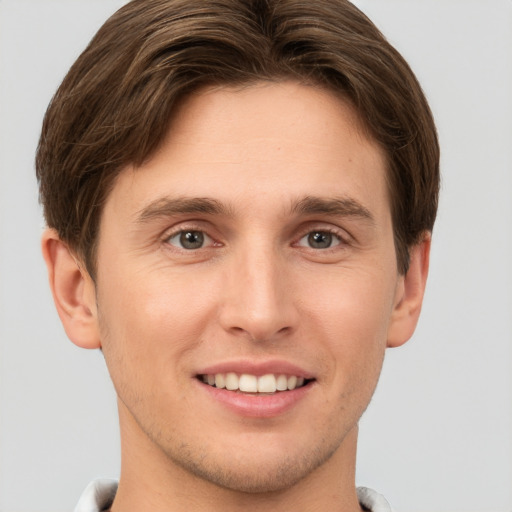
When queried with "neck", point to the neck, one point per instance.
{"points": [[151, 481]]}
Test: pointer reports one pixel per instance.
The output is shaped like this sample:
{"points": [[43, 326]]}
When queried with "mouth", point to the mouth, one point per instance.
{"points": [[268, 384]]}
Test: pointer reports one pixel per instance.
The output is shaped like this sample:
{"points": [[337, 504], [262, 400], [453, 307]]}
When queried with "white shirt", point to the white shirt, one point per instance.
{"points": [[99, 495]]}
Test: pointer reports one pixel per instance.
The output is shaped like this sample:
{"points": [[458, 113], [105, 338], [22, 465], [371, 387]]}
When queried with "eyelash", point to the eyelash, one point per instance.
{"points": [[335, 234], [339, 238], [188, 229]]}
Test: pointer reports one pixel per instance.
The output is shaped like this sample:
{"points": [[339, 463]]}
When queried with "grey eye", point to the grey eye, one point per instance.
{"points": [[319, 240], [189, 239]]}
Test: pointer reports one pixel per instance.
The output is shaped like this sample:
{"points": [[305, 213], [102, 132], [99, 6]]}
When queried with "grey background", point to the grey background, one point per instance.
{"points": [[438, 434]]}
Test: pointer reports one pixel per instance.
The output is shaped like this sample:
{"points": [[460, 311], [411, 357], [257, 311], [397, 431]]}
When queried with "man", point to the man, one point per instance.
{"points": [[239, 198]]}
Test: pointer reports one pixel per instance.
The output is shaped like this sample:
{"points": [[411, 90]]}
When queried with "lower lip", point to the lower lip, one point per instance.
{"points": [[257, 406]]}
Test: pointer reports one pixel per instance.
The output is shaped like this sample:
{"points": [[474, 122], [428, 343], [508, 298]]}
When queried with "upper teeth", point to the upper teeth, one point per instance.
{"points": [[247, 383]]}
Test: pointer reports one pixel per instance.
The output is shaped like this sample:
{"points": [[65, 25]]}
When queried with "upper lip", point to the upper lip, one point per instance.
{"points": [[257, 368]]}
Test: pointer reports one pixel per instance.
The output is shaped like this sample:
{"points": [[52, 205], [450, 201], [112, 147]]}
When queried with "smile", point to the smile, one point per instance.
{"points": [[247, 383]]}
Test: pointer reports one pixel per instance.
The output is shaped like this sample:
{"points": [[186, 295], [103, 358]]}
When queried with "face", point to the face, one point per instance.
{"points": [[246, 282]]}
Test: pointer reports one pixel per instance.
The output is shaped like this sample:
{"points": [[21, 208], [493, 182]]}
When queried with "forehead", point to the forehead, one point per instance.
{"points": [[286, 113], [280, 140]]}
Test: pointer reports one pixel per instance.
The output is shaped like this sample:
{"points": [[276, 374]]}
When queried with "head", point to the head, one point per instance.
{"points": [[115, 105], [242, 188]]}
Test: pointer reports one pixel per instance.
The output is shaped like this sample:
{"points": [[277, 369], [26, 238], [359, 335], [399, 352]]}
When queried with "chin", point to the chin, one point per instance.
{"points": [[262, 479], [260, 472]]}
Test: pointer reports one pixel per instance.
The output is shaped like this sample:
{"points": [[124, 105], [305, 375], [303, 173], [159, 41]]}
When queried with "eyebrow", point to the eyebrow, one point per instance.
{"points": [[167, 207], [343, 207], [309, 205]]}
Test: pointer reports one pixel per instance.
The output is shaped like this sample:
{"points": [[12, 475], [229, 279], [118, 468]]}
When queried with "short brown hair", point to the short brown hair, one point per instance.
{"points": [[113, 107]]}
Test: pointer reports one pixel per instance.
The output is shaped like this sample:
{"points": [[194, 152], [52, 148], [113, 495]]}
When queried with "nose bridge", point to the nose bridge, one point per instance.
{"points": [[258, 301]]}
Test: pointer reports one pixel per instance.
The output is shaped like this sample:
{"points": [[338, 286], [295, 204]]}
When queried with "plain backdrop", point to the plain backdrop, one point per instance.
{"points": [[437, 435]]}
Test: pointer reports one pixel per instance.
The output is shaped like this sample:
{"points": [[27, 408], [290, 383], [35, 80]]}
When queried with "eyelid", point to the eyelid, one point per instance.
{"points": [[188, 226], [343, 236], [338, 240], [207, 239]]}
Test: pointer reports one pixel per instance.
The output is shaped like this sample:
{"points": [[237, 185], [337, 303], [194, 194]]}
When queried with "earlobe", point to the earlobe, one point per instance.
{"points": [[73, 292], [409, 295]]}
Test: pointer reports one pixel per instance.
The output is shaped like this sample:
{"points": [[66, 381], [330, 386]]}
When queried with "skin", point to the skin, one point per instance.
{"points": [[270, 158]]}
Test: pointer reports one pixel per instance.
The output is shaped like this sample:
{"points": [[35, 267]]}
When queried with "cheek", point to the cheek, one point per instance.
{"points": [[353, 301], [353, 317], [153, 321]]}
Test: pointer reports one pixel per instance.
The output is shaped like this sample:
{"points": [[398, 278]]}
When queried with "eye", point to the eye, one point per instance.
{"points": [[320, 240], [189, 239]]}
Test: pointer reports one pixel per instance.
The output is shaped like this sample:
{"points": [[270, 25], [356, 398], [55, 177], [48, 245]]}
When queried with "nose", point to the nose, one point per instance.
{"points": [[258, 297]]}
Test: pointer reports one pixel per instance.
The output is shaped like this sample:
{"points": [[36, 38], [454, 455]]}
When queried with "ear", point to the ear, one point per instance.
{"points": [[409, 294], [73, 291]]}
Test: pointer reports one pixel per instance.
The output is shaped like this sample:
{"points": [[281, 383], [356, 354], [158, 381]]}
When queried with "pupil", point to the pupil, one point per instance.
{"points": [[320, 240], [192, 239]]}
